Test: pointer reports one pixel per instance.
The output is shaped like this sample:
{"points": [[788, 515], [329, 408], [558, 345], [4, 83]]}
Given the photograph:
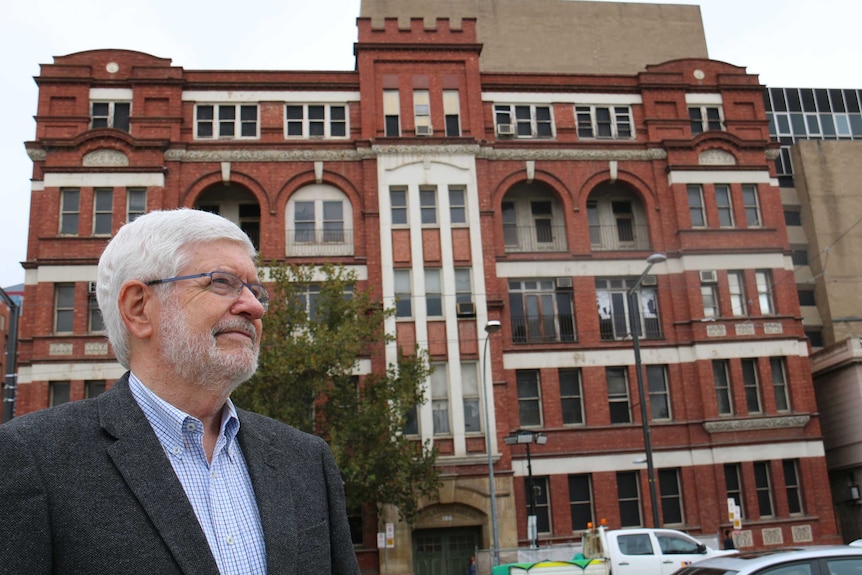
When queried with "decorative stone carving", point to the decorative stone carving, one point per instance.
{"points": [[743, 538], [773, 154], [779, 422], [713, 330], [744, 328], [37, 155], [773, 327], [772, 536], [60, 349], [716, 157], [106, 158], [522, 154], [96, 348], [802, 534]]}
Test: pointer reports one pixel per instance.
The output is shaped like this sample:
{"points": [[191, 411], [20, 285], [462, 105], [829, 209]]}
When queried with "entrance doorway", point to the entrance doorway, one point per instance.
{"points": [[444, 551]]}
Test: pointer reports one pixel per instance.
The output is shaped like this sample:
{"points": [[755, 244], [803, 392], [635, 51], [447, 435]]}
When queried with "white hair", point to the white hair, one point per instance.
{"points": [[154, 246]]}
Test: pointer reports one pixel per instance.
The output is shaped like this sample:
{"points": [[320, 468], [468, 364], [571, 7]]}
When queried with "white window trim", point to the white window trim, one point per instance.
{"points": [[613, 116], [327, 121], [237, 121]]}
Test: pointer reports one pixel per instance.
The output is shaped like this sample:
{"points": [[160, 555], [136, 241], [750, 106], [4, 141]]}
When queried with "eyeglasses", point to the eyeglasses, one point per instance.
{"points": [[224, 283]]}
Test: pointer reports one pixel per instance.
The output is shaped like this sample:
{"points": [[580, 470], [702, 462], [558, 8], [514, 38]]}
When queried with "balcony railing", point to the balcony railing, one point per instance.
{"points": [[319, 242], [616, 327], [545, 329], [621, 236], [535, 238]]}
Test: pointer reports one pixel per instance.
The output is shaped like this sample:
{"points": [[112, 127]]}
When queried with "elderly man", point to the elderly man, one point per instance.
{"points": [[162, 474]]}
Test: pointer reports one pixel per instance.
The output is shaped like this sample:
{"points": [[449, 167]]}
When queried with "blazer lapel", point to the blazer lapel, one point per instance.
{"points": [[142, 463], [270, 477]]}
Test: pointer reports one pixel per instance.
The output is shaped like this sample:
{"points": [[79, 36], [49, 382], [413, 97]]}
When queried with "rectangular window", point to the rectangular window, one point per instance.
{"points": [[723, 396], [792, 486], [428, 205], [64, 307], [613, 304], [452, 113], [733, 484], [94, 388], [315, 121], [422, 112], [457, 206], [464, 292], [792, 217], [136, 203], [70, 206], [403, 294], [433, 293], [670, 494], [736, 284], [96, 323], [618, 394], [724, 204], [541, 312], [529, 398], [523, 121], [695, 206], [571, 396], [763, 487], [439, 383], [398, 206], [751, 386], [764, 292], [709, 293], [751, 203], [470, 396], [110, 115], [705, 118], [629, 496], [659, 395], [542, 501], [779, 383], [392, 113], [581, 500], [607, 122], [59, 392], [225, 121], [103, 211]]}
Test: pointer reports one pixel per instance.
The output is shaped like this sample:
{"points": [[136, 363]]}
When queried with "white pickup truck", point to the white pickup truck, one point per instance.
{"points": [[622, 552]]}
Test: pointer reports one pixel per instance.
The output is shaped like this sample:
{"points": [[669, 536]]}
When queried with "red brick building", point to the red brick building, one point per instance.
{"points": [[465, 196]]}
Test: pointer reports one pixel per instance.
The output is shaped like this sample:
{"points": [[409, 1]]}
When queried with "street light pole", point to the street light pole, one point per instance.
{"points": [[493, 326], [634, 325], [526, 438]]}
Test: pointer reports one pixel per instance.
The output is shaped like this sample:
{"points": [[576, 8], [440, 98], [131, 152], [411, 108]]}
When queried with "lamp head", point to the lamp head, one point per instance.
{"points": [[493, 326], [656, 259]]}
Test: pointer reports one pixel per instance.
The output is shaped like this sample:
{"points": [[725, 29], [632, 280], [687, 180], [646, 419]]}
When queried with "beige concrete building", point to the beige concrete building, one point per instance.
{"points": [[563, 36]]}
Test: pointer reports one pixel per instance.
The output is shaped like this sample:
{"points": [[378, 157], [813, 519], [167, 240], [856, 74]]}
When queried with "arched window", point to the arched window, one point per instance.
{"points": [[319, 222]]}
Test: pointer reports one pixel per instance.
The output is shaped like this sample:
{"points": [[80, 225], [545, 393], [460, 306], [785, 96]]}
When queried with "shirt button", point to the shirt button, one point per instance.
{"points": [[176, 450], [229, 540], [190, 426]]}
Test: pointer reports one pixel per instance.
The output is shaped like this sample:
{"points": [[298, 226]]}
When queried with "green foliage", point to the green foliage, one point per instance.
{"points": [[305, 379]]}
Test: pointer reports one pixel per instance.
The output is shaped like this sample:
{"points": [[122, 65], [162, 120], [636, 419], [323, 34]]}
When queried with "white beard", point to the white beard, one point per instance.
{"points": [[196, 357]]}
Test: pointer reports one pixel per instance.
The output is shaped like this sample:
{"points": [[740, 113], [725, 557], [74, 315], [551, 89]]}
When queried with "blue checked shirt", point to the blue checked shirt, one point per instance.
{"points": [[220, 492]]}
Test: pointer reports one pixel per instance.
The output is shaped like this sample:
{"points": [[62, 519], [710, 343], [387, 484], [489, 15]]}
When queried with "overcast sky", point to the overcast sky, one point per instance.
{"points": [[800, 43]]}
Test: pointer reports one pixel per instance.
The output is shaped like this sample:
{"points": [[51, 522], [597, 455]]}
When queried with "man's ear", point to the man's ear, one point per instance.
{"points": [[135, 302]]}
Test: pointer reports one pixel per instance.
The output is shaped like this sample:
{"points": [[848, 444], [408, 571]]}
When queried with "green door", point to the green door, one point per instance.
{"points": [[444, 551]]}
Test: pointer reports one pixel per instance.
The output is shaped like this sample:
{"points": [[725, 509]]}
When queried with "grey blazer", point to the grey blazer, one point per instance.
{"points": [[86, 488]]}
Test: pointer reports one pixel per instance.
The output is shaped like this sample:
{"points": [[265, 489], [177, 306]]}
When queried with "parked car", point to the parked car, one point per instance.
{"points": [[814, 560]]}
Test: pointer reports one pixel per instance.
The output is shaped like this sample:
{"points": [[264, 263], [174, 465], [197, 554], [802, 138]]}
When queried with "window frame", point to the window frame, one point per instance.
{"points": [[428, 206], [434, 293], [438, 388], [724, 205], [733, 473], [763, 488], [307, 124], [778, 368], [95, 322], [61, 388], [396, 209], [471, 396], [629, 502], [452, 112], [618, 396], [530, 413], [657, 374], [238, 123], [531, 321], [402, 282], [619, 122], [422, 110], [615, 324], [765, 295], [513, 114], [112, 118], [751, 205], [670, 496], [698, 209], [577, 501], [392, 113], [133, 214], [736, 288], [103, 213], [751, 385], [793, 487], [571, 396], [723, 388], [457, 206], [703, 122], [64, 311], [70, 215]]}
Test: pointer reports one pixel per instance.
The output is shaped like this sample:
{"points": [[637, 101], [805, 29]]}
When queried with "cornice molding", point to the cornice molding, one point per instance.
{"points": [[780, 422]]}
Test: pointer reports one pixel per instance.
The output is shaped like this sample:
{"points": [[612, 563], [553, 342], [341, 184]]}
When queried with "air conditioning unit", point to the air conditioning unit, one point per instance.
{"points": [[424, 131], [91, 287], [465, 309], [708, 277], [505, 129], [649, 281], [565, 283]]}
